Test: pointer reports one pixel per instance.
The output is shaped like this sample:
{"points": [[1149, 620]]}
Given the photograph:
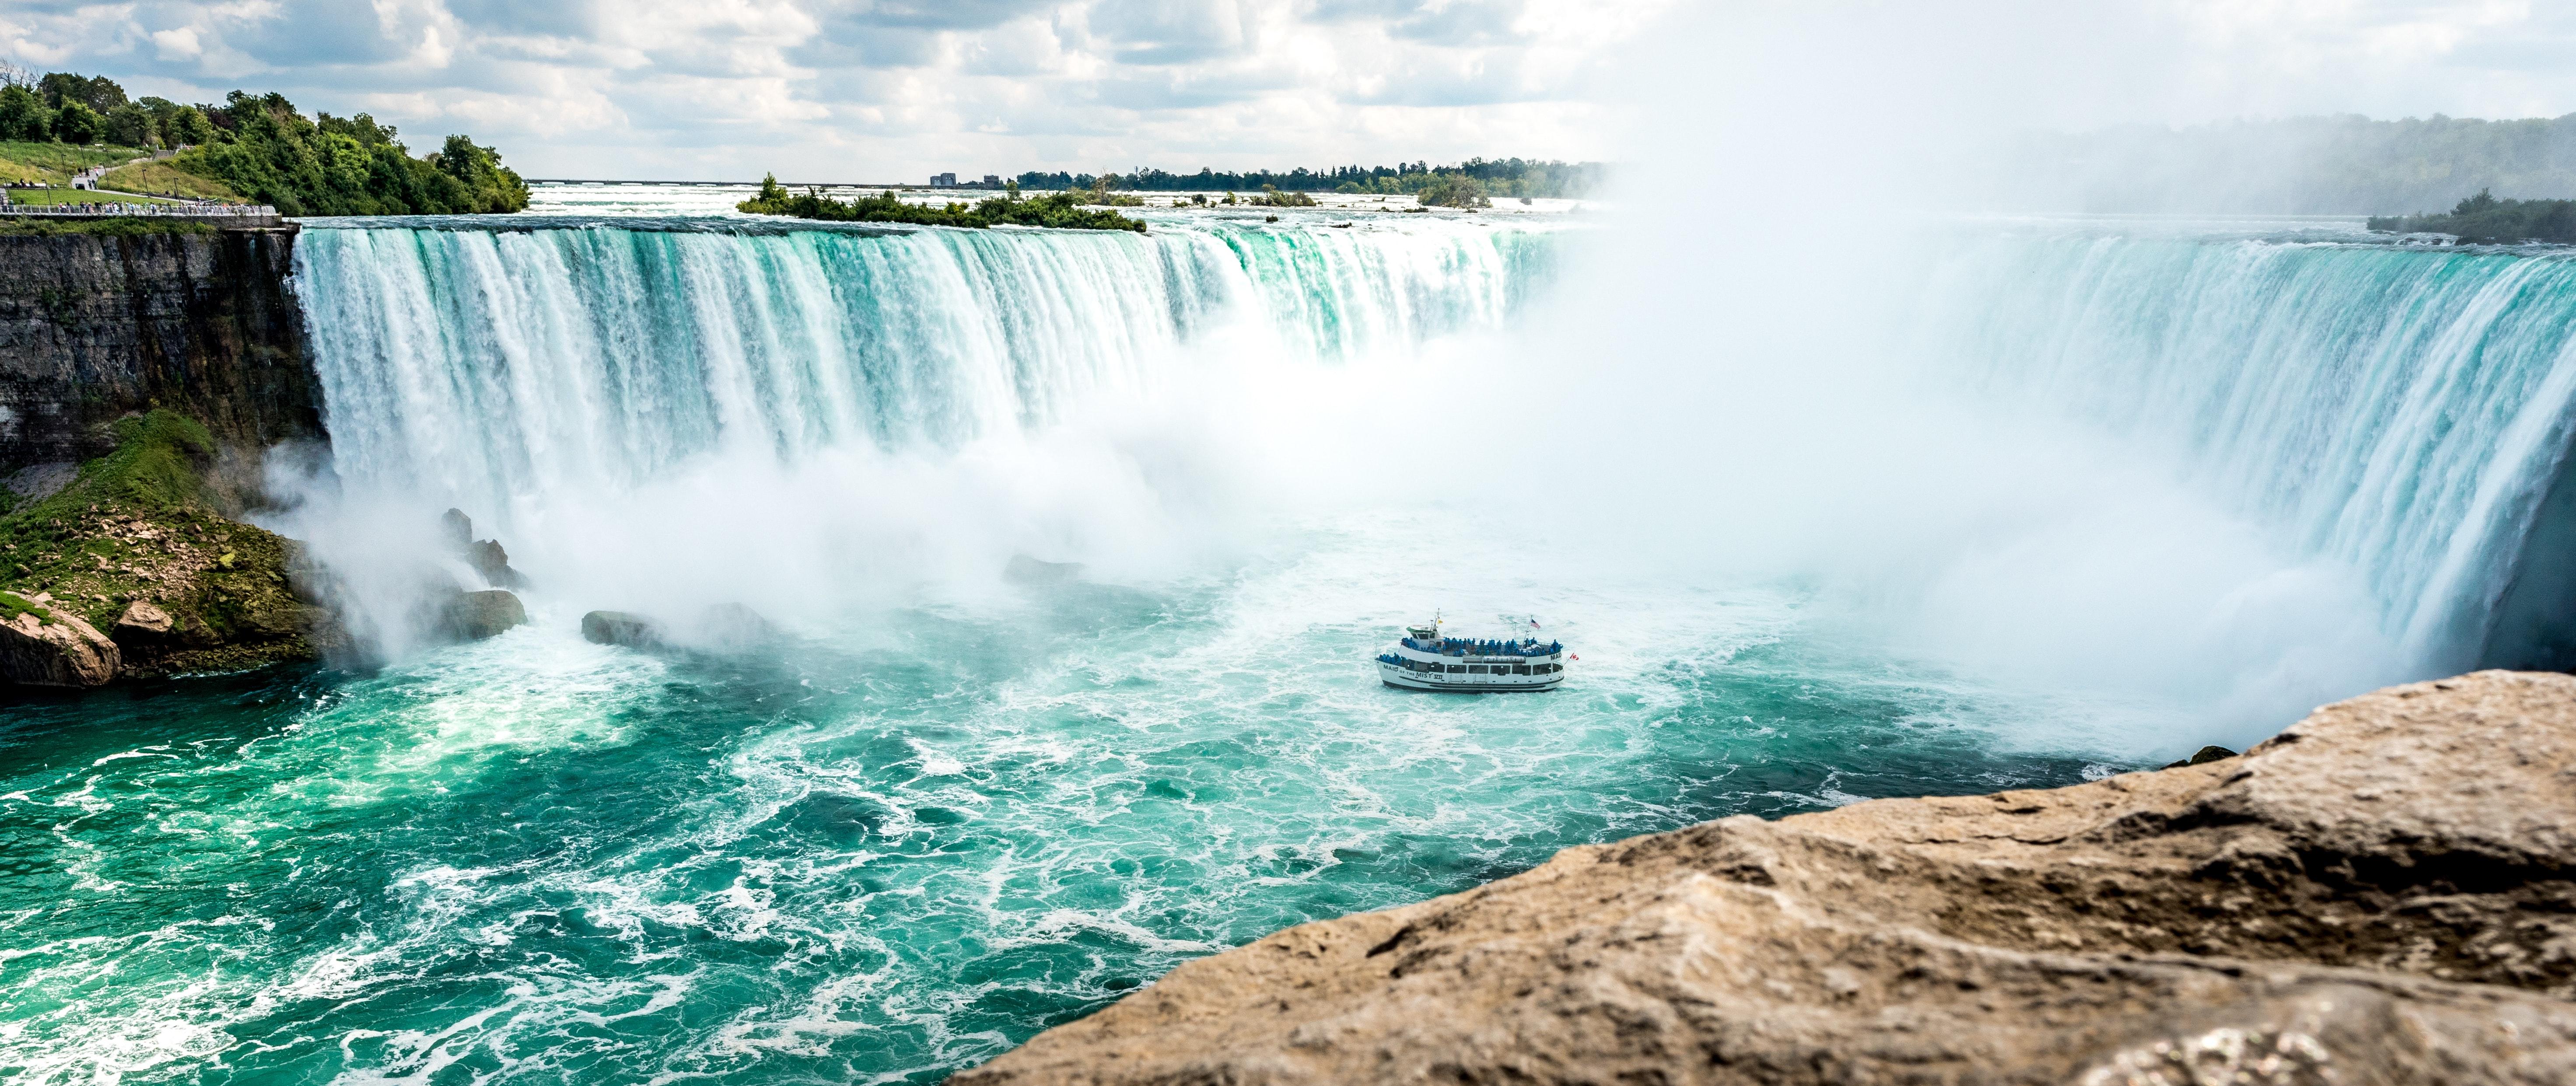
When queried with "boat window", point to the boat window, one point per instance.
{"points": [[1475, 669], [1520, 669], [1457, 669]]}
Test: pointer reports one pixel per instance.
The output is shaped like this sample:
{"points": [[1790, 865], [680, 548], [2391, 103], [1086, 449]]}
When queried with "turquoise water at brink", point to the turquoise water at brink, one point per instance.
{"points": [[944, 812]]}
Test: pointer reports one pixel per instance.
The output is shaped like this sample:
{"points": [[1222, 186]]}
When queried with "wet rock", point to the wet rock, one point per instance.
{"points": [[1026, 570], [473, 616], [488, 559], [41, 645], [455, 529], [37, 482], [620, 628], [2203, 756], [2380, 894]]}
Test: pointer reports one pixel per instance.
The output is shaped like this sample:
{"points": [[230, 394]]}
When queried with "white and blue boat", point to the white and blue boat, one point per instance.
{"points": [[1425, 660]]}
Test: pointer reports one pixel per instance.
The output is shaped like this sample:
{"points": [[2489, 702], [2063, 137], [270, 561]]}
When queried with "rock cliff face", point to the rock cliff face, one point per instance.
{"points": [[95, 326], [2384, 893]]}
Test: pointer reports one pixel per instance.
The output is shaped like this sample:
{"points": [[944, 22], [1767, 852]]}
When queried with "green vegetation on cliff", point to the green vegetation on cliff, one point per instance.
{"points": [[2484, 220], [131, 226], [1062, 211], [138, 526]]}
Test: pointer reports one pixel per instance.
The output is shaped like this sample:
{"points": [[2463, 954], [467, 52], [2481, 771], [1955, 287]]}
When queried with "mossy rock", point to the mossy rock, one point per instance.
{"points": [[140, 525]]}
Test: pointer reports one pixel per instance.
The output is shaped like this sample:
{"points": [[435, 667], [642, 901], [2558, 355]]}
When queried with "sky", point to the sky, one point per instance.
{"points": [[892, 90]]}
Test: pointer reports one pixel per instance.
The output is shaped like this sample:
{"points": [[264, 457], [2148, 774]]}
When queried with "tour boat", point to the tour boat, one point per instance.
{"points": [[1425, 660]]}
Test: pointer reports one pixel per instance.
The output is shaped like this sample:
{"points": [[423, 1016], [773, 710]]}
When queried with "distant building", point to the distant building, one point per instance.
{"points": [[992, 180], [943, 180]]}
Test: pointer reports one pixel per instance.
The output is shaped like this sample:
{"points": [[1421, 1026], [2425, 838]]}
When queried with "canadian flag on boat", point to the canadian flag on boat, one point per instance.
{"points": [[1572, 657]]}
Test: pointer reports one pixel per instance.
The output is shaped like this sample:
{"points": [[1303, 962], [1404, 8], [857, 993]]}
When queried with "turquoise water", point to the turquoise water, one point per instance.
{"points": [[877, 855]]}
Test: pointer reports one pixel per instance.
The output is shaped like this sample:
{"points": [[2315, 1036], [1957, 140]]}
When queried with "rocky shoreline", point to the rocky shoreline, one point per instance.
{"points": [[2383, 893]]}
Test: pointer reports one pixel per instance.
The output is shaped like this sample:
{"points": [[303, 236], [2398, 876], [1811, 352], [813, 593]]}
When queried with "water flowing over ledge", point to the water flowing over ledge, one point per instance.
{"points": [[483, 363], [2402, 409]]}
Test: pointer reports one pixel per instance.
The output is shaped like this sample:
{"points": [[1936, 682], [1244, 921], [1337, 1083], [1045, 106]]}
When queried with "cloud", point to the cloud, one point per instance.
{"points": [[886, 89]]}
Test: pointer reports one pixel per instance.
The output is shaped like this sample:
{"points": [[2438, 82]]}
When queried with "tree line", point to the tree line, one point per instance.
{"points": [[1063, 210], [2484, 220], [264, 148], [1494, 177]]}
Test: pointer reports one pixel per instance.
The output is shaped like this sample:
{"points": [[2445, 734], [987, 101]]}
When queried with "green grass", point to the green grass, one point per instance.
{"points": [[64, 158], [19, 173], [161, 177], [12, 605], [24, 226]]}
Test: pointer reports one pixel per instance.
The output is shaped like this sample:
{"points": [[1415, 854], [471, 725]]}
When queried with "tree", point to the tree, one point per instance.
{"points": [[1455, 190], [98, 92], [23, 115], [131, 126], [187, 128], [77, 123]]}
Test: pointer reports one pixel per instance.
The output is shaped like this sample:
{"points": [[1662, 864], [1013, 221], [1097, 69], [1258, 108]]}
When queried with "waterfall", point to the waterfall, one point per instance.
{"points": [[476, 364], [2401, 409]]}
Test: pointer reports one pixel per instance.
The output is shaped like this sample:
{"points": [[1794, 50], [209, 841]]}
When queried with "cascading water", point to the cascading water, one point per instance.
{"points": [[2400, 409], [482, 364]]}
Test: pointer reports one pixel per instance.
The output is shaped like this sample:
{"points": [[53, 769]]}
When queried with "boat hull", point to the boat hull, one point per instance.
{"points": [[1442, 683]]}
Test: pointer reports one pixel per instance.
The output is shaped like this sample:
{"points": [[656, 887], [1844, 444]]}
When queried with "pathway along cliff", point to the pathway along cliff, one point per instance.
{"points": [[2380, 894]]}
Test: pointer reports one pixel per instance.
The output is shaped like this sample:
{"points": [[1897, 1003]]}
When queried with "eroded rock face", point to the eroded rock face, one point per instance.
{"points": [[94, 326], [43, 646], [2381, 894]]}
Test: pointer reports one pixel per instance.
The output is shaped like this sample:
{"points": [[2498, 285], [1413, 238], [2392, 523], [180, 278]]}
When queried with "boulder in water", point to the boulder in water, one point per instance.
{"points": [[621, 628], [41, 645], [456, 529], [2204, 756], [473, 616], [488, 559], [1026, 570]]}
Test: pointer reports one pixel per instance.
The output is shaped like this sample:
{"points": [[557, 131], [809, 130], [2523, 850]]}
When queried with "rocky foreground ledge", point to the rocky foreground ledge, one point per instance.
{"points": [[2384, 893]]}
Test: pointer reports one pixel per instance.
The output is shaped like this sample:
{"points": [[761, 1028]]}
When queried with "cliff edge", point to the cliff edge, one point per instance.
{"points": [[94, 326], [2383, 893]]}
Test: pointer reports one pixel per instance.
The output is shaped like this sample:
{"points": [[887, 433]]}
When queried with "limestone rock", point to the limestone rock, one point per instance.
{"points": [[93, 326], [2384, 893], [456, 530], [143, 624], [41, 645], [620, 628], [489, 559], [473, 616]]}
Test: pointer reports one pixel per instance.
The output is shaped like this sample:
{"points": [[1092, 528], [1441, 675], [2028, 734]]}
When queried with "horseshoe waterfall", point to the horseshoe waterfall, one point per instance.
{"points": [[1018, 592]]}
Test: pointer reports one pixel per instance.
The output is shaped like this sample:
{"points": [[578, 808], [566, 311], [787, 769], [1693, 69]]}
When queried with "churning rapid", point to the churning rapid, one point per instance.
{"points": [[947, 811]]}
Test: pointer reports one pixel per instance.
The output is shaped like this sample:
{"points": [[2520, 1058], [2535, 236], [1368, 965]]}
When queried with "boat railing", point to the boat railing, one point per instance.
{"points": [[1461, 646]]}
